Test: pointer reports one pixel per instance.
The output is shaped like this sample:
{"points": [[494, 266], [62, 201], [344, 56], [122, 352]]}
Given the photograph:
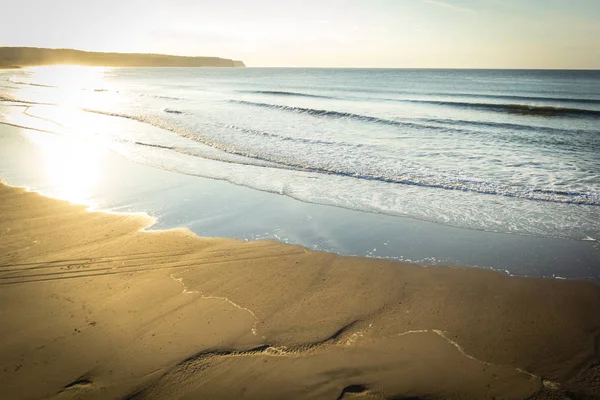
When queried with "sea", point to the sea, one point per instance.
{"points": [[392, 163]]}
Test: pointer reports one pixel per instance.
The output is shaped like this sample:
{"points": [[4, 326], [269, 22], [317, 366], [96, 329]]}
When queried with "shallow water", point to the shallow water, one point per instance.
{"points": [[499, 151], [107, 181]]}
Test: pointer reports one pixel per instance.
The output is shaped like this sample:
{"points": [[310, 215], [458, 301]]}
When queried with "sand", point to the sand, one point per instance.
{"points": [[94, 307]]}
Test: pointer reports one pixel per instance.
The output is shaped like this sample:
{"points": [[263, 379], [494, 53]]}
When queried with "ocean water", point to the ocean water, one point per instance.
{"points": [[486, 150]]}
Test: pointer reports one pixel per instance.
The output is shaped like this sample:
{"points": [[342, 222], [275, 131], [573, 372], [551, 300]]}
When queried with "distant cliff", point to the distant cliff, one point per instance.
{"points": [[32, 56]]}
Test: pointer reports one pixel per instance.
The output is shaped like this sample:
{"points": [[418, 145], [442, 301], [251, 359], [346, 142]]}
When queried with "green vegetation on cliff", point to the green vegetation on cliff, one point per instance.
{"points": [[32, 56]]}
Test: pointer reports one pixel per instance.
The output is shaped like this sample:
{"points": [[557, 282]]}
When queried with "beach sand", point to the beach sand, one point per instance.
{"points": [[94, 307]]}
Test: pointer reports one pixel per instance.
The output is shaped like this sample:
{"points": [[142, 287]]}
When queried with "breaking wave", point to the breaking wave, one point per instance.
{"points": [[283, 93], [525, 109]]}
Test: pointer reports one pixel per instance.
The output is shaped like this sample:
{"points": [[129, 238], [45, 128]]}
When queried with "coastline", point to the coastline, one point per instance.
{"points": [[100, 308]]}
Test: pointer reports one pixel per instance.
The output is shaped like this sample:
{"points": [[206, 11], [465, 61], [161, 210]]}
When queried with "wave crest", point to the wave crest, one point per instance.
{"points": [[18, 82], [525, 109], [284, 93], [482, 187], [399, 177], [325, 113]]}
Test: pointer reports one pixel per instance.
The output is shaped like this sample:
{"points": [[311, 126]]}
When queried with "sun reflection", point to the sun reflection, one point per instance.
{"points": [[69, 76], [71, 159], [72, 168], [75, 86]]}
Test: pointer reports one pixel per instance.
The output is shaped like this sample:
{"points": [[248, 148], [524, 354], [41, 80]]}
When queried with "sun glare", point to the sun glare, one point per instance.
{"points": [[77, 86], [72, 168], [69, 76], [71, 160]]}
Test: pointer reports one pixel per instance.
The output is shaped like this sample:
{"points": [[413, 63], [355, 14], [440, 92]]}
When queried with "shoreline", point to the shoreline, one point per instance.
{"points": [[100, 308], [222, 209]]}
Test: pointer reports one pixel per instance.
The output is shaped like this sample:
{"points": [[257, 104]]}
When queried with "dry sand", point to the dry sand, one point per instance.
{"points": [[95, 308]]}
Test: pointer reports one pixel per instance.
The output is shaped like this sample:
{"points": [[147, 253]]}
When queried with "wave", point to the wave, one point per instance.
{"points": [[525, 109], [448, 183], [150, 120], [172, 111], [201, 155], [529, 109], [440, 182], [519, 98], [168, 97], [283, 93], [508, 125], [326, 113], [156, 96], [419, 123], [289, 138], [15, 100], [457, 126], [145, 144], [17, 82], [414, 93], [482, 187]]}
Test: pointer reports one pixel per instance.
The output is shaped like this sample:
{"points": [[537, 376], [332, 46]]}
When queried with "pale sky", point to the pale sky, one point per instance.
{"points": [[321, 33]]}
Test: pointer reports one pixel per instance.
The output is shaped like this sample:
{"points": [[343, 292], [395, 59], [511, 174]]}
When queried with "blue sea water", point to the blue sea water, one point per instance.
{"points": [[508, 151]]}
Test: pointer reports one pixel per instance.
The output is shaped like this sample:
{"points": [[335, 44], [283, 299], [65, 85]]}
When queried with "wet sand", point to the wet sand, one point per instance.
{"points": [[93, 307]]}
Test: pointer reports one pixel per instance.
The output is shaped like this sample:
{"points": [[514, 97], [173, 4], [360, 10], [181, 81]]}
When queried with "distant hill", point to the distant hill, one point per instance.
{"points": [[11, 57]]}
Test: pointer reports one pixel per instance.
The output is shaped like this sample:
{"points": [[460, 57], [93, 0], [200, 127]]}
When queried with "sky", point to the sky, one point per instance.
{"points": [[321, 33]]}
